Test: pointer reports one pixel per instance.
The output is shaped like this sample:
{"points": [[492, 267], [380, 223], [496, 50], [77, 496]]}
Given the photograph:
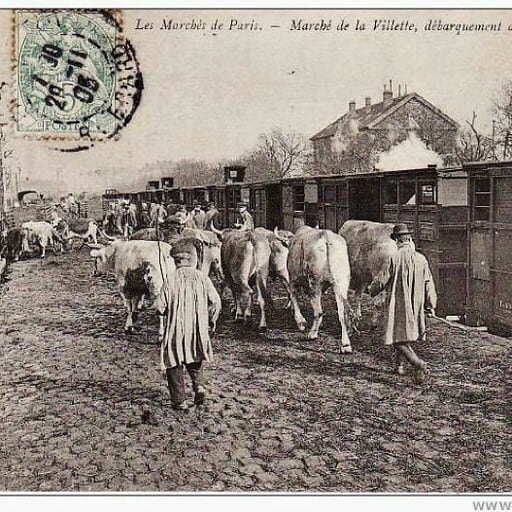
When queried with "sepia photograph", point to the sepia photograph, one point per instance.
{"points": [[256, 251]]}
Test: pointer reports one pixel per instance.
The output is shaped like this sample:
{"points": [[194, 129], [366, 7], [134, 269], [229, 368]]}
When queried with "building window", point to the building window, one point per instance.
{"points": [[482, 199], [298, 198]]}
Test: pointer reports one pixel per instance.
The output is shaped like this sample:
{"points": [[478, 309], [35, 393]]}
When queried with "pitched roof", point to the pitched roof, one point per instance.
{"points": [[377, 112]]}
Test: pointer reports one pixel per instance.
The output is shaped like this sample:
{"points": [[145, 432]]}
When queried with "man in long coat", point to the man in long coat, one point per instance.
{"points": [[411, 291], [194, 305]]}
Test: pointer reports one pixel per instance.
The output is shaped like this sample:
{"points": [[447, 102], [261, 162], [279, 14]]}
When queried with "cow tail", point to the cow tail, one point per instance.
{"points": [[199, 245], [259, 278], [379, 282], [350, 316]]}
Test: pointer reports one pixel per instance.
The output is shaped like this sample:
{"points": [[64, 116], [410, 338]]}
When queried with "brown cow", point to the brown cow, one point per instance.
{"points": [[15, 240]]}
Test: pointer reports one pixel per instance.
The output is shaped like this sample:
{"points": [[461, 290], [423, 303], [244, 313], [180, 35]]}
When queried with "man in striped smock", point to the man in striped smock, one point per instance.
{"points": [[194, 307]]}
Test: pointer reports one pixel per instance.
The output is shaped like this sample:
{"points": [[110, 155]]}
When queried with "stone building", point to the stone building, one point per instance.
{"points": [[356, 140]]}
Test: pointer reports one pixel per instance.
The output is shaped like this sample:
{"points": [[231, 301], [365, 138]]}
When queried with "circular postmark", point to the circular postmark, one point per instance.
{"points": [[77, 77]]}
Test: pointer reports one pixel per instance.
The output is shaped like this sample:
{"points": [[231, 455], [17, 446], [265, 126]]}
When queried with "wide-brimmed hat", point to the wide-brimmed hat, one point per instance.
{"points": [[242, 205], [210, 203], [400, 229]]}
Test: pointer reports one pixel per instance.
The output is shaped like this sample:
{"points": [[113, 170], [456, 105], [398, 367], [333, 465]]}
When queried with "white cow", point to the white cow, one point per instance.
{"points": [[42, 234], [318, 259]]}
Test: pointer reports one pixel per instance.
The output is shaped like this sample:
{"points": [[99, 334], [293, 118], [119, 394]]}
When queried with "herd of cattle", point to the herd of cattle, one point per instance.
{"points": [[307, 262]]}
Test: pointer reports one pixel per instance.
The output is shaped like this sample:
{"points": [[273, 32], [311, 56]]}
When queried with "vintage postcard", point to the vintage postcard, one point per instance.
{"points": [[256, 251]]}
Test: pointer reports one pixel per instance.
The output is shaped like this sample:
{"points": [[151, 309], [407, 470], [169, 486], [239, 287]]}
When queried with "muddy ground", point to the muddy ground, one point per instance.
{"points": [[84, 407]]}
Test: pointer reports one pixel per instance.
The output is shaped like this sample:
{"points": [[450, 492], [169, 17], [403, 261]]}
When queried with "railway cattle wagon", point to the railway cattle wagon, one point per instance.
{"points": [[433, 204], [200, 194], [172, 195], [111, 195], [265, 204], [92, 208], [490, 246], [236, 193], [188, 195], [217, 194], [300, 202], [333, 204]]}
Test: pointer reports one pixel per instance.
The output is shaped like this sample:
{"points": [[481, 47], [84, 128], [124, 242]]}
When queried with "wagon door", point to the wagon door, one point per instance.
{"points": [[274, 206], [479, 272]]}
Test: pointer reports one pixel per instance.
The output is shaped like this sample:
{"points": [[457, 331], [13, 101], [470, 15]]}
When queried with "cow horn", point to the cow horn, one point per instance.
{"points": [[104, 235], [215, 230], [93, 246], [279, 237]]}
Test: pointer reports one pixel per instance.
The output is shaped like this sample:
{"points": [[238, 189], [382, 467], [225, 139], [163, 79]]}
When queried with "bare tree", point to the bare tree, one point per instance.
{"points": [[473, 146], [502, 111], [277, 155]]}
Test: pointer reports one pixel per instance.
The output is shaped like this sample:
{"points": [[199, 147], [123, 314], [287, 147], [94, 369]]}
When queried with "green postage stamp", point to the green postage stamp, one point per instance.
{"points": [[73, 72]]}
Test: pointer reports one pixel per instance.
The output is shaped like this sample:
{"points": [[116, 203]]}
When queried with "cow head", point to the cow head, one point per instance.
{"points": [[100, 256], [283, 236]]}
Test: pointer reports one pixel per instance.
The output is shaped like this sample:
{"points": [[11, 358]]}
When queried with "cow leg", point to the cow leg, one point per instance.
{"points": [[238, 304], [262, 327], [43, 250], [286, 283], [128, 326], [300, 321], [134, 306], [216, 270], [378, 302], [358, 296], [316, 304], [246, 299], [140, 303], [340, 303]]}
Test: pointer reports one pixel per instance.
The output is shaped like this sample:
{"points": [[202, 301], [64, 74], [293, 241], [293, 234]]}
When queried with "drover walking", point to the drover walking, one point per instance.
{"points": [[193, 305], [410, 291]]}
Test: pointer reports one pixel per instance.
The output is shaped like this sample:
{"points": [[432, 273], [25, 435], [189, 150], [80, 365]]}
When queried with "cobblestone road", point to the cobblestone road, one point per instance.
{"points": [[84, 408]]}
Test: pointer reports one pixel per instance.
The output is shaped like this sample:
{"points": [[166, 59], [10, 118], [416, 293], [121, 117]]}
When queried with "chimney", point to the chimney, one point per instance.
{"points": [[387, 96], [399, 90], [368, 104], [352, 106]]}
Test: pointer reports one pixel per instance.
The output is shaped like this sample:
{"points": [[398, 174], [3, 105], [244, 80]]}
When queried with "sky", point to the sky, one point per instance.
{"points": [[209, 96]]}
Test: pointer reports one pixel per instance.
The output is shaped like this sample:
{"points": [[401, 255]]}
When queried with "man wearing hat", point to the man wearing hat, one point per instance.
{"points": [[244, 220], [411, 291], [212, 216], [193, 306], [198, 216]]}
